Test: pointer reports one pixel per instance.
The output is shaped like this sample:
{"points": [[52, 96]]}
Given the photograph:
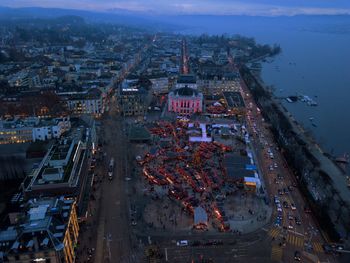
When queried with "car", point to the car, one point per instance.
{"points": [[340, 247], [280, 192], [297, 221], [278, 222], [327, 249], [182, 243], [292, 206], [290, 217], [290, 227], [275, 165], [285, 204], [297, 256], [133, 223]]}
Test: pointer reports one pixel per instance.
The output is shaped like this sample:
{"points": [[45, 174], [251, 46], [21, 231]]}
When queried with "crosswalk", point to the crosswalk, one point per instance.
{"points": [[295, 240], [276, 253], [274, 232], [317, 246]]}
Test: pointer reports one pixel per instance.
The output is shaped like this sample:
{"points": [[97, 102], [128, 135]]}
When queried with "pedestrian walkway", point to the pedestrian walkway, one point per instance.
{"points": [[274, 232], [295, 240], [276, 253], [317, 247]]}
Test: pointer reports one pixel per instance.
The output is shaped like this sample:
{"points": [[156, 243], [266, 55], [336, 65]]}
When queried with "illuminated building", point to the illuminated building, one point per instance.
{"points": [[46, 230], [185, 101], [21, 130], [88, 102]]}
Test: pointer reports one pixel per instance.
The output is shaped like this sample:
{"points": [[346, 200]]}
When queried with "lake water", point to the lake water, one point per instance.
{"points": [[315, 61]]}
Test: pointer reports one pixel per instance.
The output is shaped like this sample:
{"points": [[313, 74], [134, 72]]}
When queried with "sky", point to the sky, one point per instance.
{"points": [[213, 7]]}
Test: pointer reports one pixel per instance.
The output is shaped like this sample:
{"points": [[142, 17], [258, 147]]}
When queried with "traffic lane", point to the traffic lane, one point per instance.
{"points": [[295, 196], [296, 200], [284, 184], [257, 252], [116, 220]]}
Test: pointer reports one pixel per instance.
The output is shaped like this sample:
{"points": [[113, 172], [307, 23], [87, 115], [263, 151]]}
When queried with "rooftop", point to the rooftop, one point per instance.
{"points": [[186, 91], [234, 99], [187, 79], [238, 166], [61, 165], [41, 227]]}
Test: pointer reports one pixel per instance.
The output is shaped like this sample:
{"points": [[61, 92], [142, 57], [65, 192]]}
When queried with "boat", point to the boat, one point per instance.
{"points": [[314, 124], [308, 100], [311, 118]]}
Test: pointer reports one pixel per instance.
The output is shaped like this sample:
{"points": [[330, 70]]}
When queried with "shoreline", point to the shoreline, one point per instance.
{"points": [[320, 179], [312, 137]]}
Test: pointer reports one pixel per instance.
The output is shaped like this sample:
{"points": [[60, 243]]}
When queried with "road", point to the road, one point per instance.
{"points": [[184, 58], [280, 182], [114, 239]]}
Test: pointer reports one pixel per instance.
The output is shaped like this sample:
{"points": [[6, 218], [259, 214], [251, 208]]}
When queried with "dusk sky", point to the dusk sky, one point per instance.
{"points": [[220, 7]]}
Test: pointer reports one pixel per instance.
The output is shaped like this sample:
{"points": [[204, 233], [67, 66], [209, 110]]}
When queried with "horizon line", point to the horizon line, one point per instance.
{"points": [[151, 13]]}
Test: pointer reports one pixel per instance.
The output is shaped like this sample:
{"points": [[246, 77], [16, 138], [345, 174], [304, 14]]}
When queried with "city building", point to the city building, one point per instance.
{"points": [[188, 80], [185, 100], [88, 102], [220, 83], [24, 78], [133, 101], [21, 130], [49, 129], [160, 85], [234, 102], [59, 171], [17, 130], [46, 231]]}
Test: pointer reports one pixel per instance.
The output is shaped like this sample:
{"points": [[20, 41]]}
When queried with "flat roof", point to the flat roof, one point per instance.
{"points": [[187, 79], [139, 133], [234, 99], [236, 166]]}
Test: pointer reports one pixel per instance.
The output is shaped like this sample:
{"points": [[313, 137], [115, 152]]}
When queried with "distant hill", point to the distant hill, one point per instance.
{"points": [[116, 16], [329, 23]]}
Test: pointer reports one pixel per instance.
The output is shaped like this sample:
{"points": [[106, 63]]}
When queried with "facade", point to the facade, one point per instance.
{"points": [[160, 85], [185, 101], [23, 78], [51, 129], [89, 102], [29, 129], [46, 231], [133, 101]]}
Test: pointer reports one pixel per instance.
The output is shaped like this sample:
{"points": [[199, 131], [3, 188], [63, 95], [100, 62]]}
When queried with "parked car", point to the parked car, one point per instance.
{"points": [[182, 243]]}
